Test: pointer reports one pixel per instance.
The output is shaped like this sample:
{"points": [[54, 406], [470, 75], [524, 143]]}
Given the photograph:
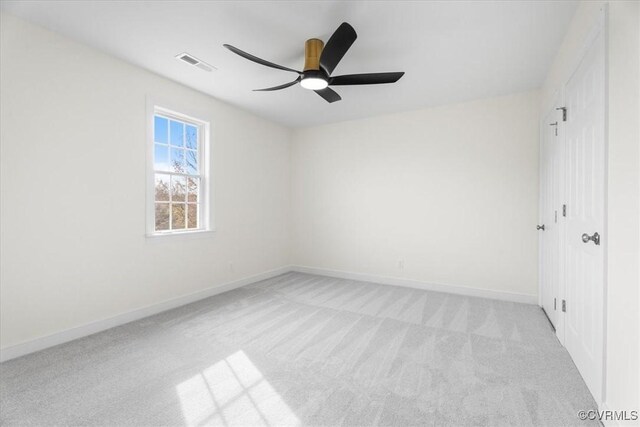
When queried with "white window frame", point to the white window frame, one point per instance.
{"points": [[204, 150]]}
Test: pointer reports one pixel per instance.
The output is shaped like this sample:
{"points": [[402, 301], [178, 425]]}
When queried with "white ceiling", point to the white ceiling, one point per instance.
{"points": [[450, 51]]}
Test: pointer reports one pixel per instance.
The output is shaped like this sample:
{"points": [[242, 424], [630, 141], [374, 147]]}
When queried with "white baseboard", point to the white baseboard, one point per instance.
{"points": [[607, 423], [604, 407], [409, 283], [11, 352]]}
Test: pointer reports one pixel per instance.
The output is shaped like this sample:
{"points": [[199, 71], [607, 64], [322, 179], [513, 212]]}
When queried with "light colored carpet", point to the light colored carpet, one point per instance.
{"points": [[307, 350]]}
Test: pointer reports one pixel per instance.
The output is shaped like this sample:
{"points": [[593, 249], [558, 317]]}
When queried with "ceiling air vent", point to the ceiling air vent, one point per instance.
{"points": [[192, 60]]}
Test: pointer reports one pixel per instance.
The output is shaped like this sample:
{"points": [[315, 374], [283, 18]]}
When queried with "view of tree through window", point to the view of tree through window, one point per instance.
{"points": [[177, 174]]}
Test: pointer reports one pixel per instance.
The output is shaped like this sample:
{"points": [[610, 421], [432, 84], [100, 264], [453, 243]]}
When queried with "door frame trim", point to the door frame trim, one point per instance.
{"points": [[557, 100], [604, 22]]}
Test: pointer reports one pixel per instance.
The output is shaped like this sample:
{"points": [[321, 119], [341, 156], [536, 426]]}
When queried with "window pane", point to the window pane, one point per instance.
{"points": [[177, 160], [191, 137], [177, 134], [191, 162], [178, 188], [177, 173], [192, 188], [162, 216], [162, 188], [192, 215], [160, 130], [161, 157], [178, 213]]}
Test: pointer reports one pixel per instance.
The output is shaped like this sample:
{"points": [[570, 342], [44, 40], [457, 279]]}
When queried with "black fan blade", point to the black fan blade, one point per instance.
{"points": [[328, 94], [337, 46], [365, 79], [284, 86], [258, 60]]}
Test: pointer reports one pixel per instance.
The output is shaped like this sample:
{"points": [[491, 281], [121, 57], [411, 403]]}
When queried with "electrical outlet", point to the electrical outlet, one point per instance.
{"points": [[230, 266], [401, 264]]}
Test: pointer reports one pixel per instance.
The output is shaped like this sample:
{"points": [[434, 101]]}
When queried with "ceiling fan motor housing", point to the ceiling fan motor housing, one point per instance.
{"points": [[312, 51], [313, 76]]}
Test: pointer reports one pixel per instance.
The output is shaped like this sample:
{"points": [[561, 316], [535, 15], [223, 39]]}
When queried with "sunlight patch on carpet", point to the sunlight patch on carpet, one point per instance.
{"points": [[233, 392]]}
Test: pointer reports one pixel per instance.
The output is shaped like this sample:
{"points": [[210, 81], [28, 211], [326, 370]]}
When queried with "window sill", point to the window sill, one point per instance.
{"points": [[179, 235]]}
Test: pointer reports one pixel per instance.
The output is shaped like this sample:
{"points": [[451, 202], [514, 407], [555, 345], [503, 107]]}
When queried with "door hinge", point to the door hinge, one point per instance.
{"points": [[564, 306], [564, 210], [564, 113], [554, 304]]}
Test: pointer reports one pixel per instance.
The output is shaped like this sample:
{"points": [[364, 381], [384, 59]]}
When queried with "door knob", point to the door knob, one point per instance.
{"points": [[540, 227], [595, 238]]}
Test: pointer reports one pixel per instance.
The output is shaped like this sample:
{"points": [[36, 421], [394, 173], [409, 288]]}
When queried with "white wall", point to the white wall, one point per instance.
{"points": [[452, 192], [73, 189], [623, 320], [623, 227]]}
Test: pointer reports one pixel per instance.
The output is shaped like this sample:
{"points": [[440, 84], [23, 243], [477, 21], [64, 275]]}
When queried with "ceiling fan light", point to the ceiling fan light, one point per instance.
{"points": [[314, 83]]}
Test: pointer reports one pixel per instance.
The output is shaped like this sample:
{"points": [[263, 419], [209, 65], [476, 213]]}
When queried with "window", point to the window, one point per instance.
{"points": [[179, 174]]}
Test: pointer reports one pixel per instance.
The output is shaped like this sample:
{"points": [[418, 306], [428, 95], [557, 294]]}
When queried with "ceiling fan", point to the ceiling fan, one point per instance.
{"points": [[319, 63]]}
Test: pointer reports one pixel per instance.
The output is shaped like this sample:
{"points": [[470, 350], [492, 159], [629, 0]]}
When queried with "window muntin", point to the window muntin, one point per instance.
{"points": [[178, 173]]}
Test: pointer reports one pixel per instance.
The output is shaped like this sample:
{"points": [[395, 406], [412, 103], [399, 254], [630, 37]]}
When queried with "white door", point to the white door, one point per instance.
{"points": [[585, 199], [550, 212]]}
